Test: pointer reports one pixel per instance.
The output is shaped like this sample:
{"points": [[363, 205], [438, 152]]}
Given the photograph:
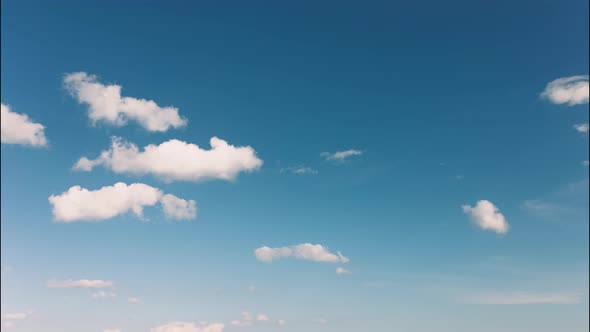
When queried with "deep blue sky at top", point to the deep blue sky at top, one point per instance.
{"points": [[427, 89]]}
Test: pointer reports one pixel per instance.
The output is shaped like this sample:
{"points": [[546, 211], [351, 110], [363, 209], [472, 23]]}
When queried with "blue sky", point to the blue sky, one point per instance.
{"points": [[461, 205]]}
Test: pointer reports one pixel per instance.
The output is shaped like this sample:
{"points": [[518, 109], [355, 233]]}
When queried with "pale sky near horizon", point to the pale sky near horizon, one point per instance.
{"points": [[319, 166]]}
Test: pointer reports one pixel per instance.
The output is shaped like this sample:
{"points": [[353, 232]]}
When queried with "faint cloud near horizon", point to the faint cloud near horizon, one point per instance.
{"points": [[570, 201]]}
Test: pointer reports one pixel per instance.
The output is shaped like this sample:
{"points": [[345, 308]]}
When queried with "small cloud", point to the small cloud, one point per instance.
{"points": [[520, 297], [251, 289], [103, 295], [582, 127], [568, 90], [10, 320], [305, 251], [112, 330], [487, 216], [586, 163], [459, 177], [248, 319], [321, 321], [340, 155], [133, 300], [189, 327], [300, 170], [567, 203], [17, 128], [341, 271], [80, 283]]}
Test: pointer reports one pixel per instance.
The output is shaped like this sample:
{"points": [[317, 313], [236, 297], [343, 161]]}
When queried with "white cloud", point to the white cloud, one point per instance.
{"points": [[582, 127], [106, 104], [526, 298], [321, 321], [487, 216], [568, 90], [248, 320], [77, 203], [341, 155], [176, 160], [103, 295], [178, 208], [342, 271], [80, 283], [10, 320], [306, 251], [133, 300], [189, 327], [299, 170], [17, 128]]}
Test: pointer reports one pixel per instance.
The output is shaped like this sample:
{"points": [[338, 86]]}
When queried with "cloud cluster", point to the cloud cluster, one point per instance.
{"points": [[571, 90], [106, 104], [17, 128], [80, 283], [487, 216], [341, 155], [189, 327], [80, 204], [176, 160], [305, 251]]}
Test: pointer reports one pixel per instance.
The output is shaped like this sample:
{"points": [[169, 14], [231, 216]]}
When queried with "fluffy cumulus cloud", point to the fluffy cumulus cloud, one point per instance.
{"points": [[341, 155], [106, 104], [582, 127], [80, 283], [176, 160], [80, 204], [189, 327], [487, 216], [19, 129], [568, 90], [305, 251]]}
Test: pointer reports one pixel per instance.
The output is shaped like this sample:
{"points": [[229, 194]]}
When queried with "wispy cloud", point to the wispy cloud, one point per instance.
{"points": [[341, 155], [175, 160], [305, 251], [487, 216], [299, 170], [80, 283], [341, 271], [568, 90], [103, 295], [19, 129], [10, 320], [566, 203], [522, 297], [106, 104], [189, 327]]}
